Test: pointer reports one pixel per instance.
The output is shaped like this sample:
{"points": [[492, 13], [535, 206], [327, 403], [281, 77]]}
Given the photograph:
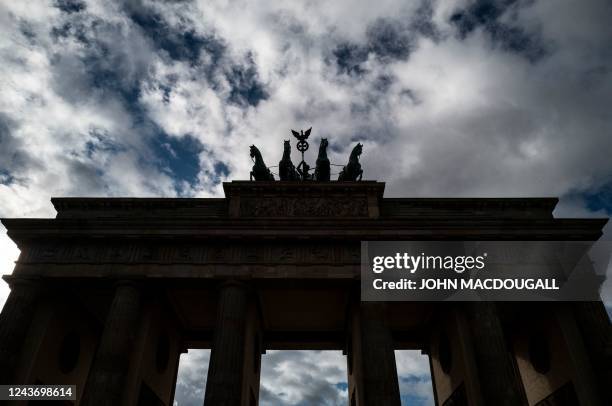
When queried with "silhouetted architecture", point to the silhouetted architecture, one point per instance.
{"points": [[109, 293]]}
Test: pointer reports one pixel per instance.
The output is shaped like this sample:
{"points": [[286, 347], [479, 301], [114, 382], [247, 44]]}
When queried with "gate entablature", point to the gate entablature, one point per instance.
{"points": [[340, 200]]}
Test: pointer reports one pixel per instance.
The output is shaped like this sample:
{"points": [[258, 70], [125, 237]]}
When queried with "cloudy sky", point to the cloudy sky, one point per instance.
{"points": [[163, 98]]}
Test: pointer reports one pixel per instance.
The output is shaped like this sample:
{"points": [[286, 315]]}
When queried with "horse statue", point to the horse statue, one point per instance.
{"points": [[260, 170], [322, 172], [352, 171], [286, 169]]}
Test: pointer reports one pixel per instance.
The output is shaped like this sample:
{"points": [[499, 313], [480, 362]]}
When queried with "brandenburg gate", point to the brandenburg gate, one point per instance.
{"points": [[109, 293]]}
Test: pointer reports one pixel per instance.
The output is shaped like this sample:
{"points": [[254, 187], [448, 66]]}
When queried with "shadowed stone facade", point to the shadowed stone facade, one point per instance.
{"points": [[108, 294]]}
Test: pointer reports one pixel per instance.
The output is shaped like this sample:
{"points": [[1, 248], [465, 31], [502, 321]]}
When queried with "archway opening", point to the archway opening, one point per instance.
{"points": [[191, 378], [303, 377], [291, 377], [414, 377]]}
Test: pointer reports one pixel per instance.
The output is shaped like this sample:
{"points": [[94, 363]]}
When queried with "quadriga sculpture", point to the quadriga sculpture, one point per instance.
{"points": [[352, 171], [322, 172], [260, 170], [286, 169]]}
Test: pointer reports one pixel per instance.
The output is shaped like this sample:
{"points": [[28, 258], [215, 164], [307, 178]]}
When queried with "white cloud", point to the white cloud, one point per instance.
{"points": [[191, 381], [303, 378], [414, 375]]}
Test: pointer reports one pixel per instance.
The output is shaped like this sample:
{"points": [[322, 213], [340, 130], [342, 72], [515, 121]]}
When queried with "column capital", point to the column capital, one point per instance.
{"points": [[135, 283], [243, 285], [234, 283], [25, 281]]}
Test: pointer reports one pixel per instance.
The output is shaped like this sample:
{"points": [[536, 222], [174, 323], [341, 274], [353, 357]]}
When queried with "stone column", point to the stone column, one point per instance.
{"points": [[594, 325], [224, 385], [585, 380], [175, 373], [108, 374], [15, 319], [372, 369], [499, 379]]}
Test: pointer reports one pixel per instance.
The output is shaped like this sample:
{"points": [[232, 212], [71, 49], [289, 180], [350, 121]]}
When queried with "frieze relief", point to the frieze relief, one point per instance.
{"points": [[304, 207], [303, 254]]}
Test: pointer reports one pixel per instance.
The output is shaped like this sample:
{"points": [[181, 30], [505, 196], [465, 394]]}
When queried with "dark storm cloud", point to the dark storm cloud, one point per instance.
{"points": [[102, 142], [246, 89], [387, 39], [70, 6], [27, 32], [15, 160], [206, 53], [106, 62], [349, 58], [383, 82], [480, 13], [76, 30], [87, 175], [422, 21], [486, 14], [177, 44], [116, 62]]}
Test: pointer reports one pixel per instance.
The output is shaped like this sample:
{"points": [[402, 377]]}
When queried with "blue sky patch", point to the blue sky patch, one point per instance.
{"points": [[342, 386], [221, 170], [6, 178], [414, 400], [246, 90], [599, 199], [179, 156], [178, 44]]}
